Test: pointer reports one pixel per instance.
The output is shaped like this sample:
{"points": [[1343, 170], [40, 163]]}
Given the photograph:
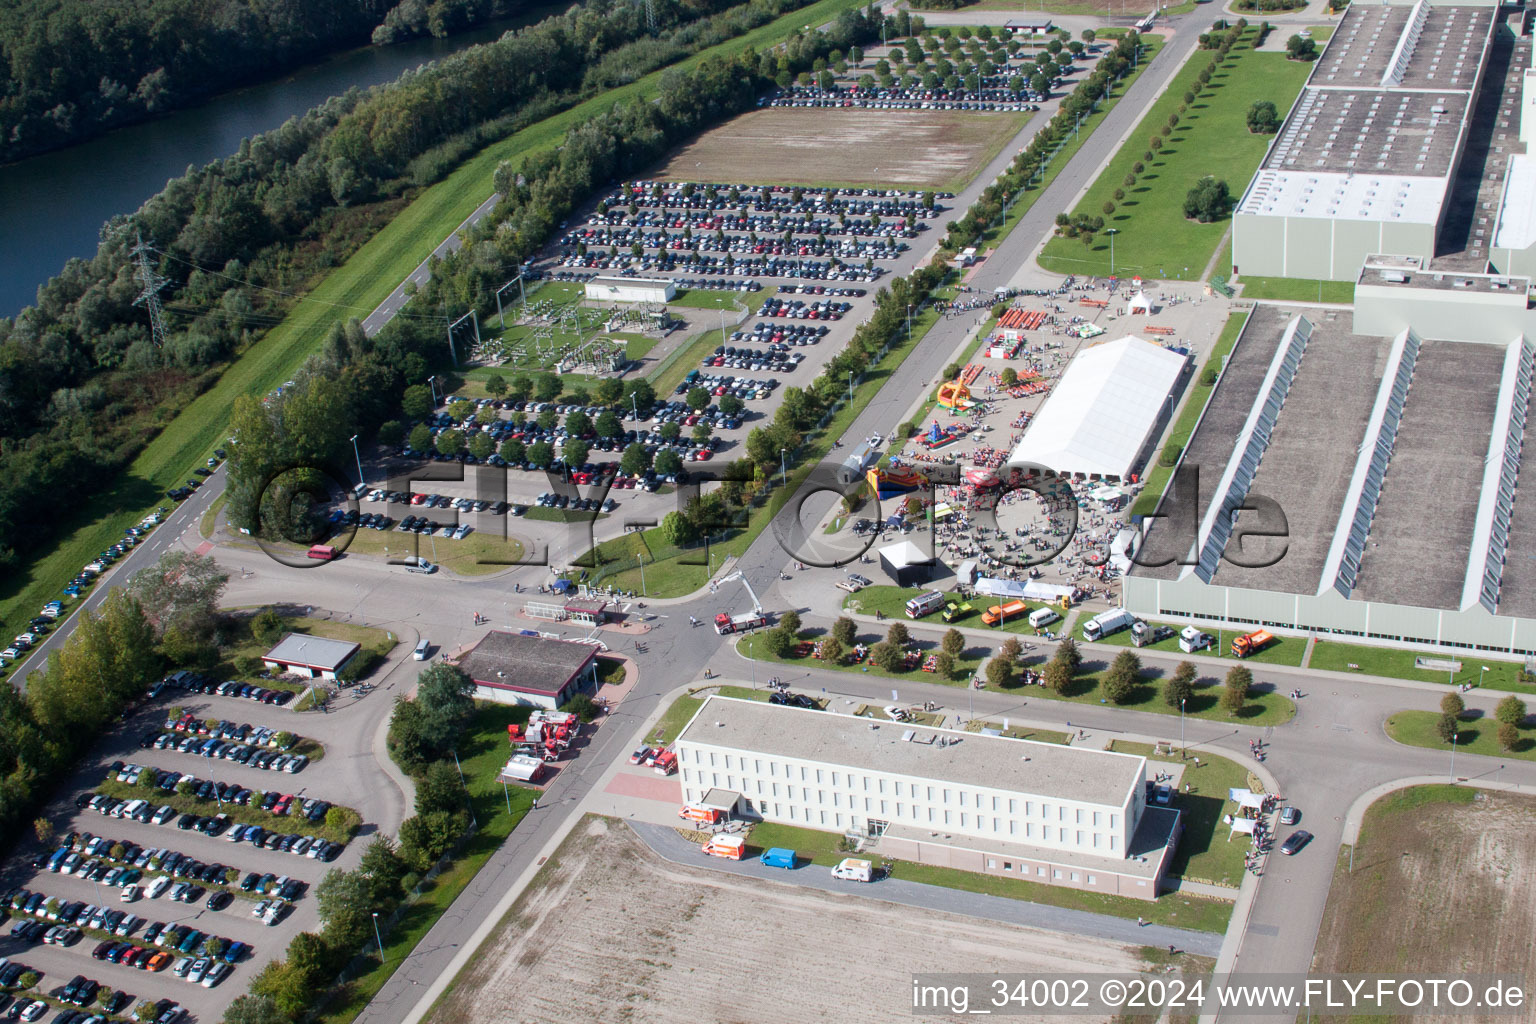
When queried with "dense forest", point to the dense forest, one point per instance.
{"points": [[70, 69], [82, 386]]}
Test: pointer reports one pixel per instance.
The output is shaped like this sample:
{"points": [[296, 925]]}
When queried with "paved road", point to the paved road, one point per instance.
{"points": [[666, 843], [387, 310]]}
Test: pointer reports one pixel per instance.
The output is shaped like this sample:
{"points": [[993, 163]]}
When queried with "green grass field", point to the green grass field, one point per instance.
{"points": [[1263, 707], [353, 289], [1473, 735], [1212, 138], [1396, 663], [1189, 414], [993, 236], [1177, 909], [1297, 289]]}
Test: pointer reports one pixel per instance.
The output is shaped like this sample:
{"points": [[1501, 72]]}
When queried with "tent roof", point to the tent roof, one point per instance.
{"points": [[1099, 416], [1140, 301], [901, 555]]}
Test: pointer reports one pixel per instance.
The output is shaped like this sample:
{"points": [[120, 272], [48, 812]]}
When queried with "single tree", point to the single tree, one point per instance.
{"points": [[846, 631], [1509, 736], [832, 650], [1068, 654], [1511, 711], [898, 634], [1058, 677], [1263, 118], [953, 642], [1181, 685], [790, 622], [495, 385], [1452, 704], [886, 656], [1235, 691], [1446, 727], [43, 829], [1000, 672], [944, 665]]}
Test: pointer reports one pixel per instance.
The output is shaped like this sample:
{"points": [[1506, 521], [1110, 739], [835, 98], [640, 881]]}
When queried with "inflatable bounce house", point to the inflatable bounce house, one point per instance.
{"points": [[898, 480], [955, 396]]}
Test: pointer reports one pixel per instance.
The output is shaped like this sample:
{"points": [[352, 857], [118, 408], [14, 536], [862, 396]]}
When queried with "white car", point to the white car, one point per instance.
{"points": [[216, 974], [158, 886], [199, 968], [130, 894]]}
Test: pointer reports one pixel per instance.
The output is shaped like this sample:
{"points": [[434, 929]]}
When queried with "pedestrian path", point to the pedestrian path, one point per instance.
{"points": [[667, 844]]}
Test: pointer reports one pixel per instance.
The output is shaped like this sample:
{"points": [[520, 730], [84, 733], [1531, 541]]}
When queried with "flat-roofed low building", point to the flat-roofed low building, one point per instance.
{"points": [[1046, 812], [515, 668], [316, 657], [631, 289]]}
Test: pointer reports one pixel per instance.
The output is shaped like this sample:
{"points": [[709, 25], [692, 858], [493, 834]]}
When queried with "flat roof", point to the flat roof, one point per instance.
{"points": [[1371, 131], [1366, 197], [532, 664], [1310, 459], [1099, 416], [1211, 446], [1416, 552], [992, 762], [315, 652], [1402, 276], [1517, 211], [1362, 45]]}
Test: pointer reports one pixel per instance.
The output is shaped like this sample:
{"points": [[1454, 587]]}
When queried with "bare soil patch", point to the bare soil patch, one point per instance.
{"points": [[939, 149], [609, 932], [1439, 887]]}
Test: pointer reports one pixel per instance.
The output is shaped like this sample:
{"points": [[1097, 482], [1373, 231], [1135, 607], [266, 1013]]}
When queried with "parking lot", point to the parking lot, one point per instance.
{"points": [[174, 857]]}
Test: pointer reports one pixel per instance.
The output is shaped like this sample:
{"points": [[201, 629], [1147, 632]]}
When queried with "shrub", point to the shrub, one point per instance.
{"points": [[1452, 704], [1511, 711]]}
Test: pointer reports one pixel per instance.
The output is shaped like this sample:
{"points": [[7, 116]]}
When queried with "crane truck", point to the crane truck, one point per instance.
{"points": [[725, 622]]}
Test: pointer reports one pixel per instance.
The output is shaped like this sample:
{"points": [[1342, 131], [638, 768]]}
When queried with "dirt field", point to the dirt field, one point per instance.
{"points": [[612, 933], [1439, 887], [894, 148]]}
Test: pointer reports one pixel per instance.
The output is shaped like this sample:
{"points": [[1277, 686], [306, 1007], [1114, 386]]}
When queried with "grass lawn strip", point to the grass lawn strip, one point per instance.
{"points": [[1396, 663], [1264, 706], [1212, 138], [355, 288], [1473, 735], [1297, 289], [1177, 909]]}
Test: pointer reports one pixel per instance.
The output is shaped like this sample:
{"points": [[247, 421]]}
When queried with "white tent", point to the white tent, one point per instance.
{"points": [[1101, 414], [1025, 590], [1243, 825], [1246, 798], [1139, 304]]}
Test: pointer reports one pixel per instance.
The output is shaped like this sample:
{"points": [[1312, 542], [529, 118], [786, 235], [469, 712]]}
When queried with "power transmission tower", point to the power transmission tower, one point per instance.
{"points": [[149, 294], [650, 15]]}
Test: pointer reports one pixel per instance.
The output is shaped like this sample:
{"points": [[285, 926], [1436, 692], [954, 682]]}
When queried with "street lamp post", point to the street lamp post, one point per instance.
{"points": [[1455, 734], [1112, 232], [909, 319], [1183, 751], [850, 385], [432, 383], [376, 937], [783, 468], [358, 455]]}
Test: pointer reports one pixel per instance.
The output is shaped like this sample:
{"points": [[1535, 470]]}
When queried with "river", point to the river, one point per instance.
{"points": [[52, 206]]}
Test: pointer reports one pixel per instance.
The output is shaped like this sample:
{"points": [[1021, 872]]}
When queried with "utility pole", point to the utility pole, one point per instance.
{"points": [[149, 291], [650, 16]]}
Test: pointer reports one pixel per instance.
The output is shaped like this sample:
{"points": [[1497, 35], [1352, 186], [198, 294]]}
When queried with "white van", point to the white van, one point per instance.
{"points": [[1043, 617], [422, 649]]}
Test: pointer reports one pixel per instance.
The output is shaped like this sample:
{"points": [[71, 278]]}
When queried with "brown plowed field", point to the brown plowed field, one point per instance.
{"points": [[609, 932], [938, 149]]}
